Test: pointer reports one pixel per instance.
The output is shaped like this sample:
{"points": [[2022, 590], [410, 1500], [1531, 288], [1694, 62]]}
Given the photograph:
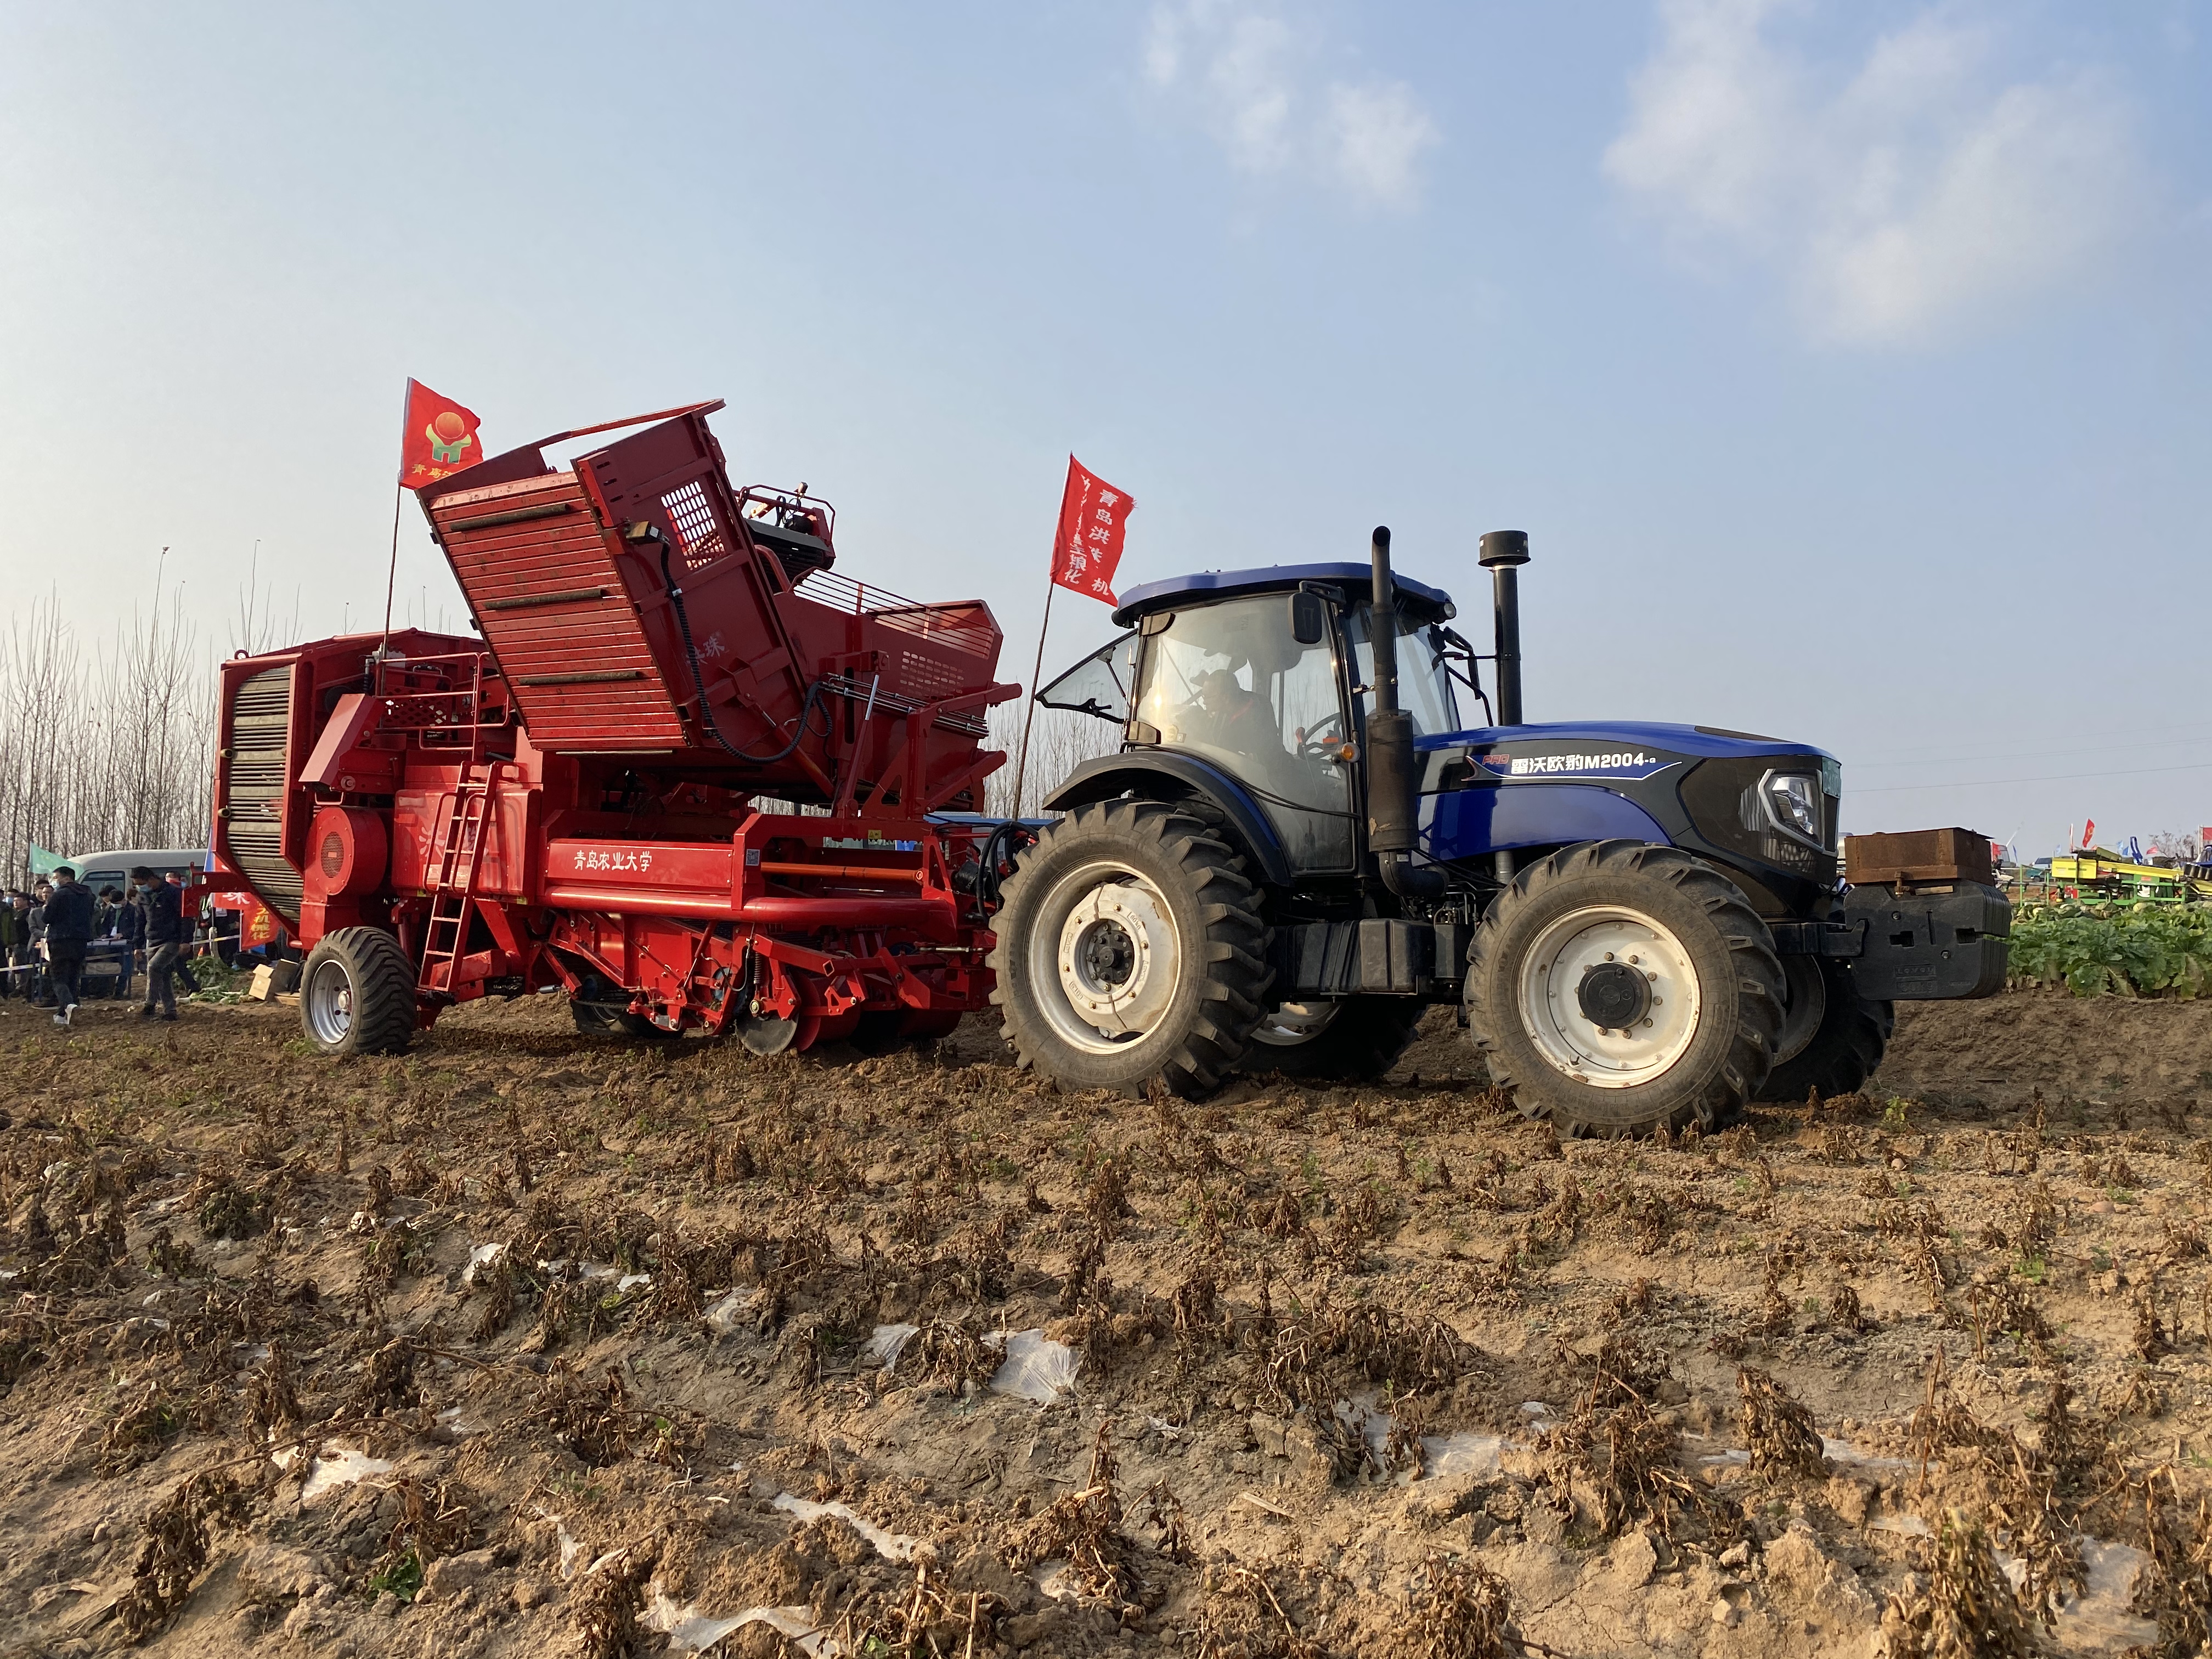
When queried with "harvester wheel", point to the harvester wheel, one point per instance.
{"points": [[1351, 1041], [357, 993], [1619, 986], [1833, 1038], [1130, 950], [601, 1008]]}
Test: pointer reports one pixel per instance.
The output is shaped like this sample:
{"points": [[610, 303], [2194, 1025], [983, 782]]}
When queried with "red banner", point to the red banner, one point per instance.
{"points": [[1093, 518], [437, 440]]}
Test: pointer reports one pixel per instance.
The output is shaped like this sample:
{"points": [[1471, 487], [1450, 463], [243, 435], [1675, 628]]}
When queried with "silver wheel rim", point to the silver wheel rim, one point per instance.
{"points": [[1575, 1046], [328, 1000], [1805, 990], [1296, 1022], [1104, 957]]}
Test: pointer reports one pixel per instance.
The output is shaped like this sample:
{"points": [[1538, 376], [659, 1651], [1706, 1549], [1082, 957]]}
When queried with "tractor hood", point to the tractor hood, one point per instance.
{"points": [[1765, 807]]}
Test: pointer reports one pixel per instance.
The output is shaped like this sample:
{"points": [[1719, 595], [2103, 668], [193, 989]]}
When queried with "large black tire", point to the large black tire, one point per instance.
{"points": [[1353, 1041], [357, 993], [601, 1008], [1169, 952], [1708, 1052], [1846, 1043]]}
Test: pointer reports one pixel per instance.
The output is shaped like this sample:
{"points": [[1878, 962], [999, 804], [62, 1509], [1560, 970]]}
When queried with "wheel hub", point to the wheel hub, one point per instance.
{"points": [[1608, 996], [1296, 1022], [1115, 961], [1613, 994], [328, 996]]}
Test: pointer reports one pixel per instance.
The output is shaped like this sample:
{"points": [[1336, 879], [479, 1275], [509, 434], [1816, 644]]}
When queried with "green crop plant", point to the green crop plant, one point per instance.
{"points": [[2098, 950]]}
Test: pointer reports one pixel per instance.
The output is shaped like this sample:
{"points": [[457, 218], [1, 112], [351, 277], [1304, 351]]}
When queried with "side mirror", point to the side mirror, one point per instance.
{"points": [[1309, 618]]}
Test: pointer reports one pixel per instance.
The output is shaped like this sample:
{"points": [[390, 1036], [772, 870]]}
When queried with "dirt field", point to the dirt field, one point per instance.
{"points": [[527, 1343]]}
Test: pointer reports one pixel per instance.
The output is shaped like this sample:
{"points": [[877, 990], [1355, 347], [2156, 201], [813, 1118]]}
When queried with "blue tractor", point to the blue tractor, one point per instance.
{"points": [[1304, 842]]}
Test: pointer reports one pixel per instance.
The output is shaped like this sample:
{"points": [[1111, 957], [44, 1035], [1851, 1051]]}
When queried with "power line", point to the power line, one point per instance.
{"points": [[2054, 777], [2022, 754]]}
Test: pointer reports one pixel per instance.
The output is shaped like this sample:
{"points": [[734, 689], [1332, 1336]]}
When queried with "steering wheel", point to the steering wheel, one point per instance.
{"points": [[1311, 738]]}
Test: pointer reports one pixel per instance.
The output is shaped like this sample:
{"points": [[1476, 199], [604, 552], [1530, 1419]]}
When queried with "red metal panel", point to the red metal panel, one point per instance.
{"points": [[547, 585]]}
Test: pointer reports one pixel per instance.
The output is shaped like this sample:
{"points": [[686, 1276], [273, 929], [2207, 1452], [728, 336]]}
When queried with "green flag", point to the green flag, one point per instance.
{"points": [[44, 863]]}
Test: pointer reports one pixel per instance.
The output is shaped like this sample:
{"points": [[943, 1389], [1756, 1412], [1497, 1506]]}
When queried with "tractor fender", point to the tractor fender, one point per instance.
{"points": [[1157, 774]]}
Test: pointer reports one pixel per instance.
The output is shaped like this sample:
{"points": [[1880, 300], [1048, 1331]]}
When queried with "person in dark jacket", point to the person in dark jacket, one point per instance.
{"points": [[130, 931], [69, 930], [40, 981], [186, 977], [15, 942], [165, 942]]}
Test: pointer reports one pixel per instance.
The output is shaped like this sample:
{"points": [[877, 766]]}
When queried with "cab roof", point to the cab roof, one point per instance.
{"points": [[1204, 587]]}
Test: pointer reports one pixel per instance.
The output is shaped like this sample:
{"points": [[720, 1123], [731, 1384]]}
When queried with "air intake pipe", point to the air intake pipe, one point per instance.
{"points": [[1393, 772]]}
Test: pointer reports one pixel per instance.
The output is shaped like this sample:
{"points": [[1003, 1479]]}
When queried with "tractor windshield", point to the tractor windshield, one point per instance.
{"points": [[1424, 689], [1229, 683]]}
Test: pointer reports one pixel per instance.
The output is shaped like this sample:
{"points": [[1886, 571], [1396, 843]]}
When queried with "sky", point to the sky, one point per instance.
{"points": [[1849, 365]]}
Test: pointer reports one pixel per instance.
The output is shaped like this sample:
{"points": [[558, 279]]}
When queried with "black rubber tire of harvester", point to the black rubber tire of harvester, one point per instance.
{"points": [[1221, 944], [601, 1009], [1844, 1052], [1739, 977], [1361, 1040], [378, 977]]}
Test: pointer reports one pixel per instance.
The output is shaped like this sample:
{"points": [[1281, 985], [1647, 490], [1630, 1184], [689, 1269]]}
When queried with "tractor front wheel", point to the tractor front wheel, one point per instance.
{"points": [[1833, 1038], [1619, 986], [1130, 950], [357, 993], [1354, 1040]]}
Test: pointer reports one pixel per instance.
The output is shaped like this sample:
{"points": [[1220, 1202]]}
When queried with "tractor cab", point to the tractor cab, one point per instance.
{"points": [[1266, 677]]}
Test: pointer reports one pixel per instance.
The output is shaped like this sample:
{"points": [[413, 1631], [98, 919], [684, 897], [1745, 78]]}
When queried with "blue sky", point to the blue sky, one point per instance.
{"points": [[1848, 365]]}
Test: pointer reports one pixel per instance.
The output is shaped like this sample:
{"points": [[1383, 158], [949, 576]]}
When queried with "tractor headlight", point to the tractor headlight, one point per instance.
{"points": [[1793, 802]]}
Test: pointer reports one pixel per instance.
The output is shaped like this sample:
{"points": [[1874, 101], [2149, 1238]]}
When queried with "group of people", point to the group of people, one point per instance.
{"points": [[46, 934]]}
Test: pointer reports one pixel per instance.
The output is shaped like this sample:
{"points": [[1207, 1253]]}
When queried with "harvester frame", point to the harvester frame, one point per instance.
{"points": [[690, 775]]}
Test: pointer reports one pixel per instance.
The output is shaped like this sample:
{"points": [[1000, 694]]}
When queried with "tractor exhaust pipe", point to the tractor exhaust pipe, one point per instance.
{"points": [[1393, 774], [1502, 553]]}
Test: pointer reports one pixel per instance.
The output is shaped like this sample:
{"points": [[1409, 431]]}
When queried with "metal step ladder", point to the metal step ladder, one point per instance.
{"points": [[454, 886]]}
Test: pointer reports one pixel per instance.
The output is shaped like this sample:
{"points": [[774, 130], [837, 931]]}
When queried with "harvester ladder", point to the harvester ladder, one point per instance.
{"points": [[452, 889]]}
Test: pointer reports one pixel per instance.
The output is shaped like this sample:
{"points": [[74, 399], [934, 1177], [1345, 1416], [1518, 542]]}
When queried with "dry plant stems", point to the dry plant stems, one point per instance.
{"points": [[1962, 1608], [608, 1604], [1084, 1529], [1461, 1610], [1776, 1430], [175, 1551]]}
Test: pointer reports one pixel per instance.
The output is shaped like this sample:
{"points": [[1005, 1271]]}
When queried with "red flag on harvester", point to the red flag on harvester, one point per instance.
{"points": [[437, 440], [1093, 517]]}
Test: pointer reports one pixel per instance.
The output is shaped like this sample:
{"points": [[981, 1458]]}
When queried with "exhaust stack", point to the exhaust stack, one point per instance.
{"points": [[1502, 553], [1393, 825]]}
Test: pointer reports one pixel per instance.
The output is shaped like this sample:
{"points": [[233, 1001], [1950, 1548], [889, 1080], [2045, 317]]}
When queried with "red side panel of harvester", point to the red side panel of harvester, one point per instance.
{"points": [[689, 773]]}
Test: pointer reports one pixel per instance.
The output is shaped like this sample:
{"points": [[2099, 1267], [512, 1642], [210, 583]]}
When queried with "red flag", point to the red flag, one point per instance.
{"points": [[437, 438], [2090, 835], [1093, 518]]}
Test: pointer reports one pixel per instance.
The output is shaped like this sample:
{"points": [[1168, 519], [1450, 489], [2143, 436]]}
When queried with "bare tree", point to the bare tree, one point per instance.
{"points": [[1059, 742], [111, 749]]}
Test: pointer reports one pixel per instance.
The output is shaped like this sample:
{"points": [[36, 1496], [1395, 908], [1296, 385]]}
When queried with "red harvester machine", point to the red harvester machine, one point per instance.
{"points": [[690, 774]]}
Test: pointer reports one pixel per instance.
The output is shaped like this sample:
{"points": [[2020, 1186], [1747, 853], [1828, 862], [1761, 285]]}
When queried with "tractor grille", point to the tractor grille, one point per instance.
{"points": [[257, 734]]}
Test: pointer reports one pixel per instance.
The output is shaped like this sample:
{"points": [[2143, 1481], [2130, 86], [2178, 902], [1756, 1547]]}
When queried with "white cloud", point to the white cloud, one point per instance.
{"points": [[1916, 193], [1375, 134], [1245, 72]]}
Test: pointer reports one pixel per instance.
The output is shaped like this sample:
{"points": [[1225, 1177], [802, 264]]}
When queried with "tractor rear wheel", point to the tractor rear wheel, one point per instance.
{"points": [[357, 993], [1351, 1041], [1833, 1038], [601, 1008], [1130, 950], [1619, 986]]}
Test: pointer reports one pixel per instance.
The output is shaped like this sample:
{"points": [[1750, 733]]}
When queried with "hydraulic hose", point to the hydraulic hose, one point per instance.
{"points": [[699, 681]]}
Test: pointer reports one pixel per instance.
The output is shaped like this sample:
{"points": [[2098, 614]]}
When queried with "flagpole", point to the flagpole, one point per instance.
{"points": [[391, 571], [390, 580], [1028, 713]]}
